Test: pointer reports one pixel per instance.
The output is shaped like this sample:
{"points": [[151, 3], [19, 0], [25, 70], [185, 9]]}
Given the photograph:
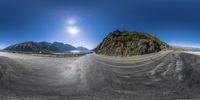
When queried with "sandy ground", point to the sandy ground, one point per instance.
{"points": [[162, 76]]}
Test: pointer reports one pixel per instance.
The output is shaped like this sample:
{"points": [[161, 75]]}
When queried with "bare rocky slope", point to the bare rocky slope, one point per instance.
{"points": [[124, 43]]}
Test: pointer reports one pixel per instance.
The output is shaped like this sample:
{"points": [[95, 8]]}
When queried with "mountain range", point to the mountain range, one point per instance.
{"points": [[44, 47], [116, 43]]}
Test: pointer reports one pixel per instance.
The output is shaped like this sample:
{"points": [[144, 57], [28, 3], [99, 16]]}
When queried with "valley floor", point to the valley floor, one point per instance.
{"points": [[166, 75]]}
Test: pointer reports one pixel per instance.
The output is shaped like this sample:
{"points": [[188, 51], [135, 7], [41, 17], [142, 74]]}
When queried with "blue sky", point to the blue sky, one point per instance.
{"points": [[176, 22]]}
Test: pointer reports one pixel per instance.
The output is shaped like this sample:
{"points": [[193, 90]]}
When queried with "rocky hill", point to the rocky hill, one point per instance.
{"points": [[124, 43], [40, 47]]}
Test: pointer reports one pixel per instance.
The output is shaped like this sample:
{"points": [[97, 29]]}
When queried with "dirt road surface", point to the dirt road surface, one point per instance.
{"points": [[166, 75]]}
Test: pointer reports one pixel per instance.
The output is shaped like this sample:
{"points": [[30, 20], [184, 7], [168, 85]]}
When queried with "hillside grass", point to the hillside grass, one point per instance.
{"points": [[131, 36]]}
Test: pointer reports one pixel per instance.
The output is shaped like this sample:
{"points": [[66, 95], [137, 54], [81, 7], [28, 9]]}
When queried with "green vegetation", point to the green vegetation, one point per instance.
{"points": [[135, 36], [126, 43]]}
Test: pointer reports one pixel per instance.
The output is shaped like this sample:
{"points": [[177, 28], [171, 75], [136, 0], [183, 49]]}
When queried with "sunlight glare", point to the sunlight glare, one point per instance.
{"points": [[73, 30]]}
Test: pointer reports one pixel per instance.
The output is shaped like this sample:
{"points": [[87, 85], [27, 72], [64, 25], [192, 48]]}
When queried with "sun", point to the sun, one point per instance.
{"points": [[73, 30], [71, 26]]}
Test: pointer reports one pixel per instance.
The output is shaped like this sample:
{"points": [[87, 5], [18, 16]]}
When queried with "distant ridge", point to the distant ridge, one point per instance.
{"points": [[124, 43], [83, 49], [41, 47], [181, 48]]}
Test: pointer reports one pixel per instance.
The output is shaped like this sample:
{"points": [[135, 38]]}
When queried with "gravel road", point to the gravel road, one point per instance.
{"points": [[166, 75]]}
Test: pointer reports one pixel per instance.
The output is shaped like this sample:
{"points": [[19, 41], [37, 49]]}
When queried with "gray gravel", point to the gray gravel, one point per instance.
{"points": [[166, 76]]}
